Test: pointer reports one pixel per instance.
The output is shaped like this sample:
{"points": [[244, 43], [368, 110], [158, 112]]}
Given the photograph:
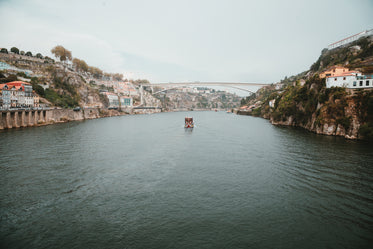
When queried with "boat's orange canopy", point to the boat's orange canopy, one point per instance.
{"points": [[188, 119]]}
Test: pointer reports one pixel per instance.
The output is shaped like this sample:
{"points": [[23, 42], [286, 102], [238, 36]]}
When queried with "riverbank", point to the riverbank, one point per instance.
{"points": [[30, 118], [330, 126], [24, 118]]}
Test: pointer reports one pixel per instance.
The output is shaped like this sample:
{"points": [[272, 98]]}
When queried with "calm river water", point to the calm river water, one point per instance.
{"points": [[145, 182]]}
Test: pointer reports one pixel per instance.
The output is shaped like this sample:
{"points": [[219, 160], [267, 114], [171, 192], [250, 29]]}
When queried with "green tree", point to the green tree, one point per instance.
{"points": [[80, 65], [14, 50], [96, 72], [22, 52], [10, 78], [38, 55], [28, 53], [118, 76], [4, 51], [61, 53], [36, 87], [140, 81], [48, 59]]}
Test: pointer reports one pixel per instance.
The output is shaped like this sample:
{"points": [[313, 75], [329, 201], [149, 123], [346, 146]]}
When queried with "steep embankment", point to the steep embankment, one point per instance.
{"points": [[23, 118], [330, 111], [55, 83], [304, 100]]}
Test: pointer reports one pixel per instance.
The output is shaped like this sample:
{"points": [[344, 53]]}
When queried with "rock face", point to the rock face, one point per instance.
{"points": [[333, 111], [54, 75], [329, 126]]}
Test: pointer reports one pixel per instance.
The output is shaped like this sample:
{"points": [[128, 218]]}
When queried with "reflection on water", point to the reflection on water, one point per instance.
{"points": [[146, 182]]}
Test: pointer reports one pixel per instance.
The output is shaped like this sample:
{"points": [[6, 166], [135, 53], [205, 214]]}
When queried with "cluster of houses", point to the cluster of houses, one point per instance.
{"points": [[338, 76], [123, 93], [116, 101], [335, 76], [17, 94]]}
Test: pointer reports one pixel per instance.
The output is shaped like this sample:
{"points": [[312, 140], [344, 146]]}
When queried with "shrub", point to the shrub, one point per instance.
{"points": [[302, 94], [319, 121], [338, 92], [323, 97], [345, 122], [61, 100], [14, 50], [276, 116], [366, 131], [257, 111]]}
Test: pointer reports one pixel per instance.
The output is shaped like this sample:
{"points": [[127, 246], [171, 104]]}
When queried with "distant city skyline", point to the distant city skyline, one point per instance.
{"points": [[179, 41]]}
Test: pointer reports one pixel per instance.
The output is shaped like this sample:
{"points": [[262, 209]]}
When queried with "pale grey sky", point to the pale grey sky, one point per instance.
{"points": [[191, 40]]}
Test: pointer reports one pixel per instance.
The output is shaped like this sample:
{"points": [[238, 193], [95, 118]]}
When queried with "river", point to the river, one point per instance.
{"points": [[143, 181]]}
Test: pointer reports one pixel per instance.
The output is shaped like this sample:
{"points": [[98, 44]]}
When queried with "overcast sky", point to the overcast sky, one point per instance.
{"points": [[191, 40]]}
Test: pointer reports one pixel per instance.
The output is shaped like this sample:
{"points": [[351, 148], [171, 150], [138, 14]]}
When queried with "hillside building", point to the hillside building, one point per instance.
{"points": [[334, 70], [351, 79], [17, 94], [113, 99], [126, 101], [5, 96]]}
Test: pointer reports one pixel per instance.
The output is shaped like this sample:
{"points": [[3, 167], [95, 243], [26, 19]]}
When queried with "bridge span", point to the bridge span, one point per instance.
{"points": [[172, 85], [175, 84], [235, 85]]}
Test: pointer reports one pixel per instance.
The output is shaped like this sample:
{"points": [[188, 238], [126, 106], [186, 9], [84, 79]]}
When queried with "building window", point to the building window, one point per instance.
{"points": [[344, 78], [333, 70], [361, 83], [367, 83], [354, 83], [335, 79]]}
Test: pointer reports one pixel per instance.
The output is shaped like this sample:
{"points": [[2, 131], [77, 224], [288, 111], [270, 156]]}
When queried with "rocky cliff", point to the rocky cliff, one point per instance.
{"points": [[304, 101], [55, 83]]}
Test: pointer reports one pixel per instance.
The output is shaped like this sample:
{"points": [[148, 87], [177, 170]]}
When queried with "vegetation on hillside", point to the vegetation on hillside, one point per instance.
{"points": [[312, 104], [364, 101], [357, 54], [61, 86]]}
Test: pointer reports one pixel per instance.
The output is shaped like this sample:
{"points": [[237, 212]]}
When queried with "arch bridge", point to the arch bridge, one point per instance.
{"points": [[174, 85], [235, 85]]}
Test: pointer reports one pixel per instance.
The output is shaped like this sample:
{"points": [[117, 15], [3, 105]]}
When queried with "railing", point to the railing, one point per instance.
{"points": [[25, 109]]}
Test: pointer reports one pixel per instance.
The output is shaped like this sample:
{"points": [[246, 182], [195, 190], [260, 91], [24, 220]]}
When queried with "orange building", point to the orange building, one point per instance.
{"points": [[333, 71]]}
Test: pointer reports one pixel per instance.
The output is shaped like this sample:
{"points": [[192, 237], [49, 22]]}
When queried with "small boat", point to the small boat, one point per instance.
{"points": [[189, 123]]}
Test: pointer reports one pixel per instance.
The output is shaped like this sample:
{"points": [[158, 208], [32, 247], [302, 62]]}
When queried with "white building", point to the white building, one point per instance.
{"points": [[351, 79], [113, 99], [350, 39], [126, 101], [279, 86], [272, 103]]}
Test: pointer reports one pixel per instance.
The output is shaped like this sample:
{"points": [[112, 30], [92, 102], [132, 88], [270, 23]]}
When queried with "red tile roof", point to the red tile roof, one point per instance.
{"points": [[2, 86], [16, 87], [17, 83], [349, 73]]}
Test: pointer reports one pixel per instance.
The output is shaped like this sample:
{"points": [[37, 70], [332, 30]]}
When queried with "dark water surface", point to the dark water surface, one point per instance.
{"points": [[145, 182]]}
